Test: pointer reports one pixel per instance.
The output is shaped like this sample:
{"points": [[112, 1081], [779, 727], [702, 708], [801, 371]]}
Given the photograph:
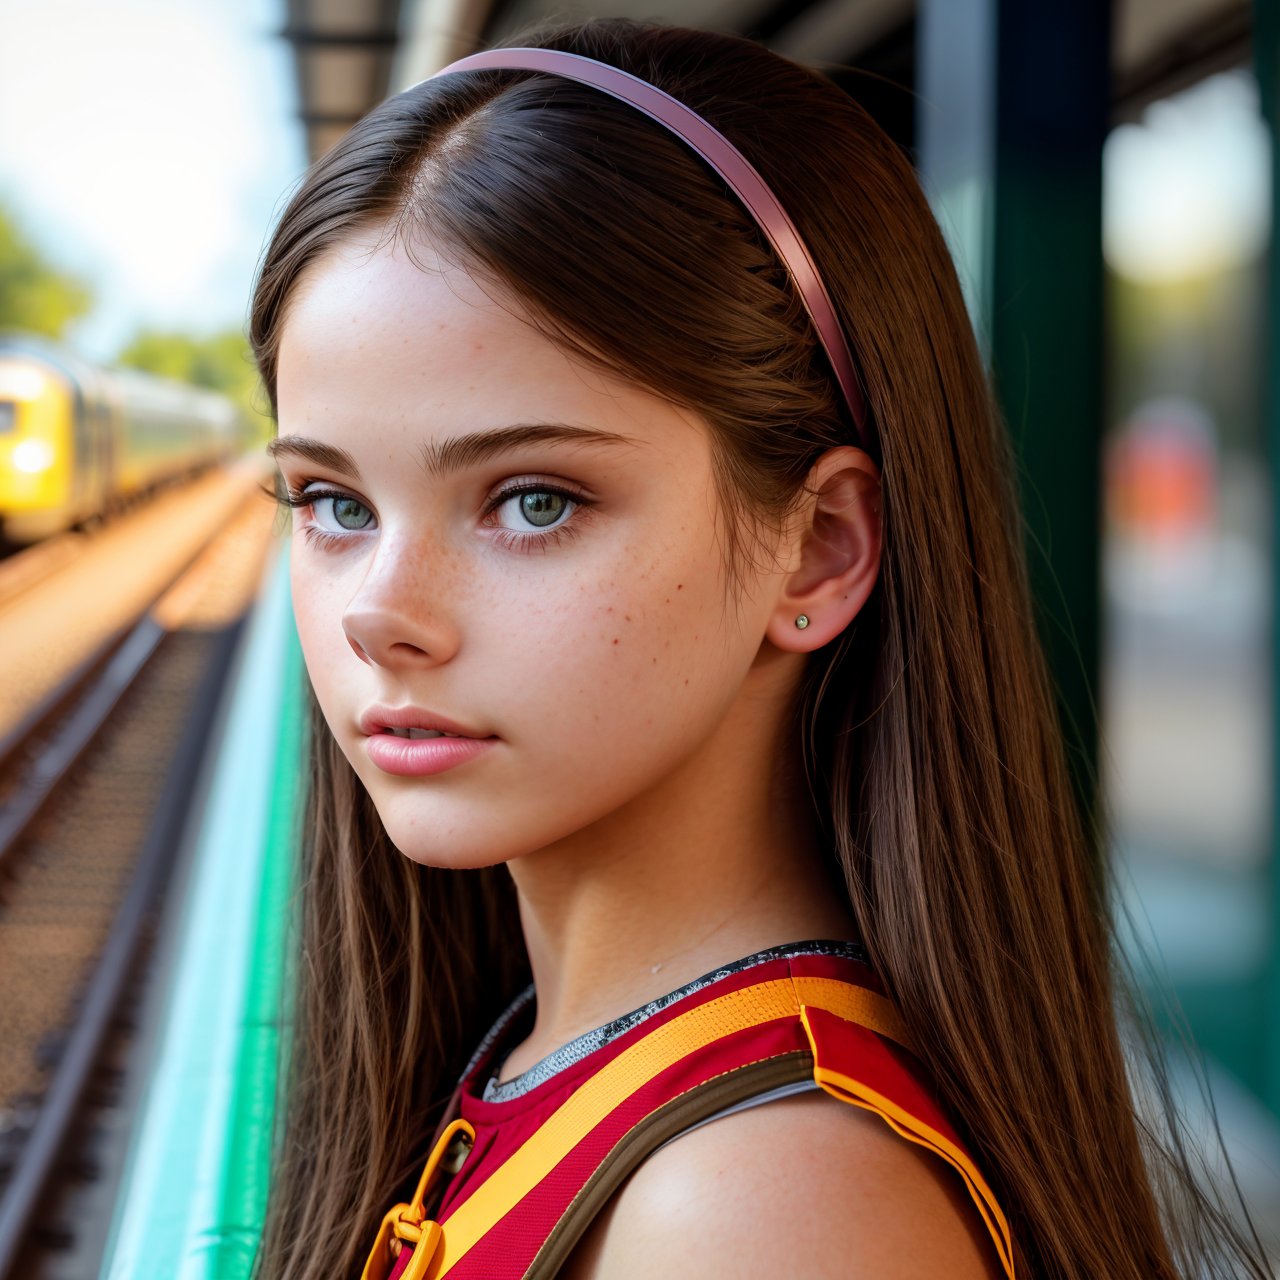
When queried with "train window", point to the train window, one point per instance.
{"points": [[8, 415]]}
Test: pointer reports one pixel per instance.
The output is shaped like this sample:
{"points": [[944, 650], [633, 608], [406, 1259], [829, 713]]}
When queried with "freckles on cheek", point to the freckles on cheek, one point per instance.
{"points": [[648, 630]]}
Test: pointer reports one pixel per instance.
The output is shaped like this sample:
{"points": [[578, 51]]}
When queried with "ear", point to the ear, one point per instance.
{"points": [[833, 551]]}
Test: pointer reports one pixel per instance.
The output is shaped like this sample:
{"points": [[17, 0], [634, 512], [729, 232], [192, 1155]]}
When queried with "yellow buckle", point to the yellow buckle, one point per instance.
{"points": [[425, 1237], [409, 1223]]}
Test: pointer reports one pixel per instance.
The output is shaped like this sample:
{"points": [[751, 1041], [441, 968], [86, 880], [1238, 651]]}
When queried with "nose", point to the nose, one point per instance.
{"points": [[395, 617]]}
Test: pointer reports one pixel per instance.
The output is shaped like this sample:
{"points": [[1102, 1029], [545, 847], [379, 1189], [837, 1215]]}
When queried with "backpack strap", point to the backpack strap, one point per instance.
{"points": [[682, 1113], [853, 1045], [843, 1027]]}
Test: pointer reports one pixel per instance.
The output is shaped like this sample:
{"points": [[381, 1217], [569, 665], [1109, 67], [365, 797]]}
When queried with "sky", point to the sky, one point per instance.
{"points": [[147, 146]]}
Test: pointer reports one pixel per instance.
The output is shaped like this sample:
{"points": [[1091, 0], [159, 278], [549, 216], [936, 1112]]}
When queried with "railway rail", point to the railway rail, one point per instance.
{"points": [[96, 783]]}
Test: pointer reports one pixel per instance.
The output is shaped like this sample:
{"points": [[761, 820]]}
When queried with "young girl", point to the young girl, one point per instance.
{"points": [[692, 883]]}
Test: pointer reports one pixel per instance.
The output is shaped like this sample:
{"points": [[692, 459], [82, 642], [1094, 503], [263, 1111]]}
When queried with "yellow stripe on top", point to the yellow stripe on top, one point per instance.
{"points": [[853, 1004], [619, 1078]]}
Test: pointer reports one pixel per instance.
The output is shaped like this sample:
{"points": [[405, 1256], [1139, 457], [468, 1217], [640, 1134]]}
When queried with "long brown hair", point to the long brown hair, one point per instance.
{"points": [[927, 730]]}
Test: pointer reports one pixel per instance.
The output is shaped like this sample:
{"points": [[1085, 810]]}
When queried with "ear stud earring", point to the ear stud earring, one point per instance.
{"points": [[802, 621]]}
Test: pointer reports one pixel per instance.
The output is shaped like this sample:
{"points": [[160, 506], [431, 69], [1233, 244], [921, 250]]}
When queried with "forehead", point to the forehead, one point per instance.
{"points": [[417, 325], [376, 337]]}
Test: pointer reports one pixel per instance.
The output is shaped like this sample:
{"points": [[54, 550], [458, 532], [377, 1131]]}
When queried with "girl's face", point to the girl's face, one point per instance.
{"points": [[501, 537]]}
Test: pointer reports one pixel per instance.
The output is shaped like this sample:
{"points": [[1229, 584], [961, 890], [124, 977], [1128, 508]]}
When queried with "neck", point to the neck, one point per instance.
{"points": [[717, 861]]}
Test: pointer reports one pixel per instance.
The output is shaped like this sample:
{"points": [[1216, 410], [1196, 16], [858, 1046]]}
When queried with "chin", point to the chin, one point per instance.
{"points": [[432, 853], [433, 838]]}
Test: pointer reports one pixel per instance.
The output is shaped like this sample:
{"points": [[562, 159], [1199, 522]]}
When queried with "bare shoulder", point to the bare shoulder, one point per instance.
{"points": [[805, 1186]]}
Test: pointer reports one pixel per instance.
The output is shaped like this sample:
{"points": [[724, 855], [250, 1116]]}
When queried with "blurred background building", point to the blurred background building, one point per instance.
{"points": [[1105, 175]]}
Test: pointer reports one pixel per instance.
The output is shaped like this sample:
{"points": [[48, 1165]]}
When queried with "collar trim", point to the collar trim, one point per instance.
{"points": [[587, 1043]]}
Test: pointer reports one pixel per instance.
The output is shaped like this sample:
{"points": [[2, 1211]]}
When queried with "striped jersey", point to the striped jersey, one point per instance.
{"points": [[524, 1165]]}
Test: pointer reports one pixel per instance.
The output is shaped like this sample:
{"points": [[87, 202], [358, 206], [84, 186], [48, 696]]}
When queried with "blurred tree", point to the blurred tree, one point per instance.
{"points": [[220, 360], [33, 295]]}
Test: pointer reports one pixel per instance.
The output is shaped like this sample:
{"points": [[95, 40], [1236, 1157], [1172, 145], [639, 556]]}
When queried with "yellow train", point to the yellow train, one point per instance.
{"points": [[78, 440]]}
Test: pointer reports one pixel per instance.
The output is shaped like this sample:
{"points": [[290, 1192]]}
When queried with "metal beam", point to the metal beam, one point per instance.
{"points": [[301, 38]]}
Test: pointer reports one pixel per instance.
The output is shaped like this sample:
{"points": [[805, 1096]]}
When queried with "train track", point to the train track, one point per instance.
{"points": [[20, 570], [95, 790]]}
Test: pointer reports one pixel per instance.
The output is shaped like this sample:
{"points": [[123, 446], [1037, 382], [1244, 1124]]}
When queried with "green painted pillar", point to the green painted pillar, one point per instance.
{"points": [[1266, 61], [1013, 112]]}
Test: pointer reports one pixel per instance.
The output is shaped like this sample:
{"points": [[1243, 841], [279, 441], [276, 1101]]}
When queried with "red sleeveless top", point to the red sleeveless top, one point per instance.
{"points": [[523, 1166]]}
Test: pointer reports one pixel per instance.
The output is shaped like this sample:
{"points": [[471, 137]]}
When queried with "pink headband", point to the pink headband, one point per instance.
{"points": [[737, 171]]}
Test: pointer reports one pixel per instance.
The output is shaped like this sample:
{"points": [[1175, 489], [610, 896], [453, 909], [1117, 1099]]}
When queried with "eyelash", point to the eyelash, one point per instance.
{"points": [[521, 542]]}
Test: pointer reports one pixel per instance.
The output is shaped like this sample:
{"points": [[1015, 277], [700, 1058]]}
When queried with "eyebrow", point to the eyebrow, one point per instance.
{"points": [[458, 452]]}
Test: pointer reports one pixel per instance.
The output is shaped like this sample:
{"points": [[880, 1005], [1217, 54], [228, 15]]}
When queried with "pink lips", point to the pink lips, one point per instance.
{"points": [[379, 717], [416, 757]]}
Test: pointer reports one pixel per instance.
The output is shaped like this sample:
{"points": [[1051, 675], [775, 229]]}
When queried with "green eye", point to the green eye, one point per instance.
{"points": [[541, 508], [534, 516], [345, 509]]}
